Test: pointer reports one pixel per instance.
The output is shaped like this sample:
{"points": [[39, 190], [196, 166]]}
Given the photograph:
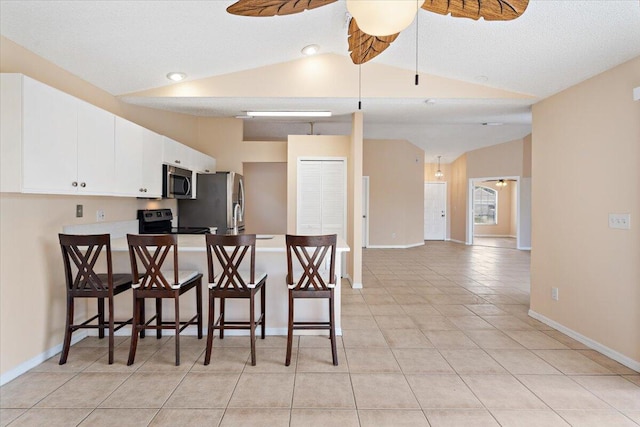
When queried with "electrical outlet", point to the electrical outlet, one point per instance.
{"points": [[100, 215], [554, 294], [620, 221], [78, 211]]}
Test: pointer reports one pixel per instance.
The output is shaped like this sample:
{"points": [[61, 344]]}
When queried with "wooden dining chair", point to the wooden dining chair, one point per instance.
{"points": [[237, 279], [151, 251], [80, 254], [309, 277]]}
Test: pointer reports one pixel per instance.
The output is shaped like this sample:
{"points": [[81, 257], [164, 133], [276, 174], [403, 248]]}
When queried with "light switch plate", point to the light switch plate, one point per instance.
{"points": [[620, 221], [78, 211], [100, 215]]}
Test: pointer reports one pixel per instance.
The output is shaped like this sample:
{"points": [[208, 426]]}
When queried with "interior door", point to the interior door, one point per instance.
{"points": [[435, 210]]}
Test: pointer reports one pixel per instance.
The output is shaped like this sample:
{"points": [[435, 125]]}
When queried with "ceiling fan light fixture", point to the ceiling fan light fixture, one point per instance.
{"points": [[501, 183], [310, 50], [176, 76], [289, 113], [383, 17]]}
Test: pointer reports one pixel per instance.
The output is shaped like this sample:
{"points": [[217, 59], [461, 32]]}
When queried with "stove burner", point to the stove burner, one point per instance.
{"points": [[158, 221]]}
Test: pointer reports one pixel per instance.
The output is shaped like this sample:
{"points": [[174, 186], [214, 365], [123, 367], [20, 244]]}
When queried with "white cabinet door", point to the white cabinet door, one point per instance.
{"points": [[49, 138], [175, 153], [321, 201], [151, 166], [96, 150], [129, 143]]}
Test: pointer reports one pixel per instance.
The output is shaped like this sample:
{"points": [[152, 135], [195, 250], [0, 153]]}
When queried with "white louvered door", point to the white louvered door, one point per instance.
{"points": [[322, 197]]}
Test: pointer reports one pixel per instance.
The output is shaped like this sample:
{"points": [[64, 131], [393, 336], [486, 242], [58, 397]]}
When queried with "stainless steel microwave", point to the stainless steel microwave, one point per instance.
{"points": [[177, 183]]}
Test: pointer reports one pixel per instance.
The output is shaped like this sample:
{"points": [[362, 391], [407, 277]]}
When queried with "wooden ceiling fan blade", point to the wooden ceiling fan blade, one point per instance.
{"points": [[274, 7], [365, 47], [490, 10]]}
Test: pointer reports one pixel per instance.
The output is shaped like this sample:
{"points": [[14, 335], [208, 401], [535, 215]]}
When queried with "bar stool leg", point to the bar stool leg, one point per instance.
{"points": [[177, 311], [67, 331], [290, 331], [263, 311], [252, 328], [100, 318], [210, 327], [111, 338], [135, 325]]}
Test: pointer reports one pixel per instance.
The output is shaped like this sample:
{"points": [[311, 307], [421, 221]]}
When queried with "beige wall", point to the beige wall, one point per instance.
{"points": [[586, 163], [499, 160], [396, 196], [266, 195], [32, 288]]}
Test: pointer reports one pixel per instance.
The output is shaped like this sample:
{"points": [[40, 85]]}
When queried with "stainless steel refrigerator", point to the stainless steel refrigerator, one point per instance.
{"points": [[219, 203]]}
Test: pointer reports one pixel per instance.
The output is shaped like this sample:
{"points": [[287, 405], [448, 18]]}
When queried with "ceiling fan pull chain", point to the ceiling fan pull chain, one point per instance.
{"points": [[359, 86], [417, 17]]}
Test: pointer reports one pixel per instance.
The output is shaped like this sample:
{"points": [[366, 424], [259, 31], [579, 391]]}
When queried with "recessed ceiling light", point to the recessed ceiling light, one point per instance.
{"points": [[312, 49], [176, 76], [289, 113]]}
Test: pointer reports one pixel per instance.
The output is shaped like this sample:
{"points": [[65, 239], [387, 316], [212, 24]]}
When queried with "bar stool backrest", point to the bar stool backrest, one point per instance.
{"points": [[311, 254], [80, 254], [230, 251], [151, 250]]}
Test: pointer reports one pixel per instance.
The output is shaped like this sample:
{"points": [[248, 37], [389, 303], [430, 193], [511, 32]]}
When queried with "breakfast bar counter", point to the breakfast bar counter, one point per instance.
{"points": [[271, 258]]}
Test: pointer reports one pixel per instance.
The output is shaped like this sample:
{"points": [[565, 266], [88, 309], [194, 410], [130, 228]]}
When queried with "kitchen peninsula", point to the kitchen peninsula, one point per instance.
{"points": [[271, 258]]}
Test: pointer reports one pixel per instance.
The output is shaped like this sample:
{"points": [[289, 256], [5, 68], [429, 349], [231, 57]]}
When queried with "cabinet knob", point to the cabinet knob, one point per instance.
{"points": [[206, 170], [141, 190], [84, 184], [145, 190], [74, 184], [178, 161]]}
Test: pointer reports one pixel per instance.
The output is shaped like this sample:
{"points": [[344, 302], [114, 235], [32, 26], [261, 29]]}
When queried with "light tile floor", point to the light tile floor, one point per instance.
{"points": [[439, 336]]}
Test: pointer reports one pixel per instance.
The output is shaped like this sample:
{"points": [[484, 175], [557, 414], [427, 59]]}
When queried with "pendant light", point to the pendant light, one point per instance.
{"points": [[439, 173]]}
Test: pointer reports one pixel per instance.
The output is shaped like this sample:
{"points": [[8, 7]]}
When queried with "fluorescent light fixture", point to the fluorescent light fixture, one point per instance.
{"points": [[492, 124], [176, 76], [289, 113], [312, 49]]}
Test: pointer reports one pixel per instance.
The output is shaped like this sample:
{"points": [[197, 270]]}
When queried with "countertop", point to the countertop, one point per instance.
{"points": [[195, 243]]}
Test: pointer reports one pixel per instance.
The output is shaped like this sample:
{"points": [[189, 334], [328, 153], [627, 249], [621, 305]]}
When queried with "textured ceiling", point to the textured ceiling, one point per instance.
{"points": [[129, 46]]}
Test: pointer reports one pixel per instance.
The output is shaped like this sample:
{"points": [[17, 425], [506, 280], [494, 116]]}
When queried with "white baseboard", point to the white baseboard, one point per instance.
{"points": [[457, 241], [618, 357], [35, 361], [495, 235], [524, 248], [356, 285], [412, 245]]}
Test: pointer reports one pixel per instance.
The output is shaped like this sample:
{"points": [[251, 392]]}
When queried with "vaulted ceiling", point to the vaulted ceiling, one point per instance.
{"points": [[473, 72]]}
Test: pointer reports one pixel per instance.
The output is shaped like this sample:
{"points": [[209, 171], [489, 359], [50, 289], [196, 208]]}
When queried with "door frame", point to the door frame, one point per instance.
{"points": [[470, 222], [446, 211]]}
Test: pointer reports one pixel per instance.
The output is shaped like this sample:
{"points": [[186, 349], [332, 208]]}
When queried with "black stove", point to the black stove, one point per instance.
{"points": [[158, 221]]}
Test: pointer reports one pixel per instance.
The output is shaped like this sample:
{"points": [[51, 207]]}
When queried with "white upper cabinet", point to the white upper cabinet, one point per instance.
{"points": [[201, 163], [138, 160], [54, 143], [96, 149], [175, 153]]}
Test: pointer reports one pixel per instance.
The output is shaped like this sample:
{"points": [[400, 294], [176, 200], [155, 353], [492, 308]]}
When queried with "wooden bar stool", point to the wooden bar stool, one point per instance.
{"points": [[312, 280], [80, 253], [234, 282], [151, 251]]}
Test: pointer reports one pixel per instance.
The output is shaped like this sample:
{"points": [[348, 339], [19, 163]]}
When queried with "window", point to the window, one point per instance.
{"points": [[485, 201]]}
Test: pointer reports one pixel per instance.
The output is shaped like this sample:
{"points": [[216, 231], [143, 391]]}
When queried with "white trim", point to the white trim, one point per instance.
{"points": [[458, 241], [35, 361], [636, 94], [495, 235], [524, 248], [412, 245], [618, 357]]}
